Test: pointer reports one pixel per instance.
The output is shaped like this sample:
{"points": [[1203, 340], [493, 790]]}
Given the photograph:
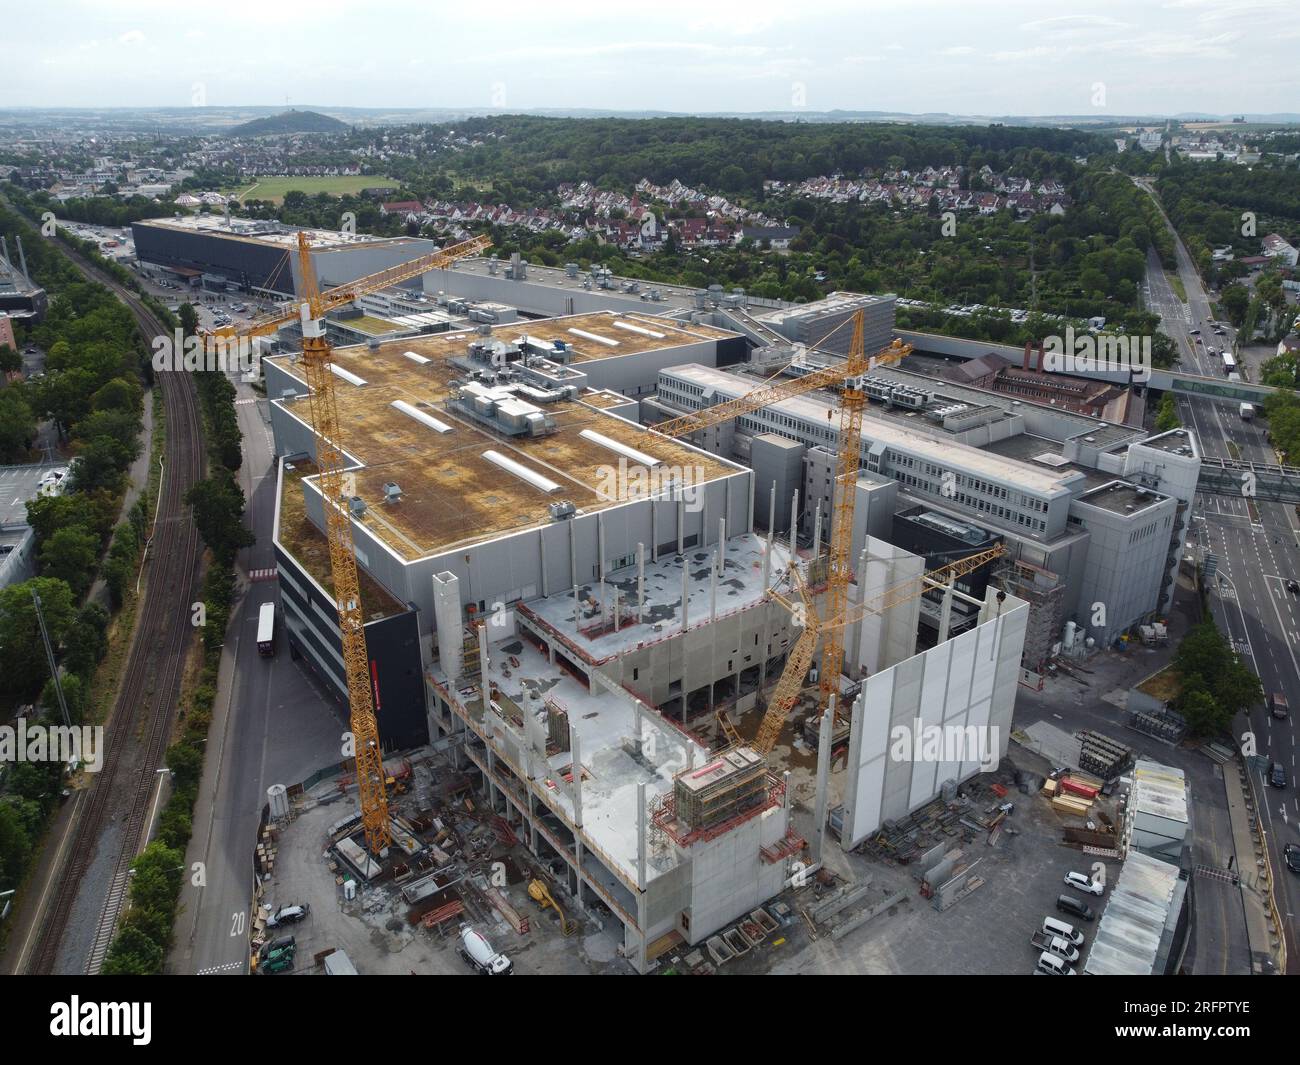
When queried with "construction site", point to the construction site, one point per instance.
{"points": [[620, 700]]}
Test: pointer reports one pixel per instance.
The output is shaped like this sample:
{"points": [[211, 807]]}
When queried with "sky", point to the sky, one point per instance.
{"points": [[956, 56]]}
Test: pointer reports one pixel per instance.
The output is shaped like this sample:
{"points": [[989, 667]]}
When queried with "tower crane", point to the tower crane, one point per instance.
{"points": [[310, 308], [848, 375]]}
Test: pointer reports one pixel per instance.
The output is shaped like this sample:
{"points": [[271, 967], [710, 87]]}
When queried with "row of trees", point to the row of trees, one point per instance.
{"points": [[217, 504], [1215, 682]]}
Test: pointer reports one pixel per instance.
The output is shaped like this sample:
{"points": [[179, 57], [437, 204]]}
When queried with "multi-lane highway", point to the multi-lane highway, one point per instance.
{"points": [[1258, 549]]}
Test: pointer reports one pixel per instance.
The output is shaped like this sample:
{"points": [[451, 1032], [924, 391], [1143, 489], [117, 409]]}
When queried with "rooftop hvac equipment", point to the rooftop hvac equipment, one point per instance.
{"points": [[521, 471], [562, 510], [392, 492], [357, 505]]}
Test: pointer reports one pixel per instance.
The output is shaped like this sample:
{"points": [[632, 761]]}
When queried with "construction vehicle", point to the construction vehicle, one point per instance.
{"points": [[310, 309], [541, 894], [479, 955]]}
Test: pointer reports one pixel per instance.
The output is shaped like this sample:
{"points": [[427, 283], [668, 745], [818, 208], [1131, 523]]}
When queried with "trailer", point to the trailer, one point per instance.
{"points": [[266, 630]]}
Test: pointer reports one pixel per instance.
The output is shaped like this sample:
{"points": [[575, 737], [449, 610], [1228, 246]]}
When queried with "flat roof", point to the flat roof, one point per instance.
{"points": [[452, 494], [1159, 790], [274, 234], [945, 453], [1120, 497], [740, 587]]}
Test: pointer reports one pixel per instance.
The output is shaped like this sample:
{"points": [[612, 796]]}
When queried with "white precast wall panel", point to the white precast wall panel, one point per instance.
{"points": [[447, 615], [964, 688]]}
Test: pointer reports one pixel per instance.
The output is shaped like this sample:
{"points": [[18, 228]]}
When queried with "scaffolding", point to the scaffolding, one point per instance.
{"points": [[729, 785], [1044, 591]]}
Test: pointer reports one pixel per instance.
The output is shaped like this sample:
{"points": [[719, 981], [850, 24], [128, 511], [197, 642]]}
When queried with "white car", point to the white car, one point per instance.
{"points": [[1080, 882]]}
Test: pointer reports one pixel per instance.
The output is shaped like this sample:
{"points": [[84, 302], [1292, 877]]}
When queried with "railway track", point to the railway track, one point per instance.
{"points": [[138, 730]]}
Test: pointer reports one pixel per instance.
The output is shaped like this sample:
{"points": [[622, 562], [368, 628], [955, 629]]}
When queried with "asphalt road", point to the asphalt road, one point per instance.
{"points": [[273, 724], [1258, 547]]}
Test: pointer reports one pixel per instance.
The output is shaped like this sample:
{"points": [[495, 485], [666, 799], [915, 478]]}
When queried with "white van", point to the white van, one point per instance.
{"points": [[1054, 966], [1053, 927]]}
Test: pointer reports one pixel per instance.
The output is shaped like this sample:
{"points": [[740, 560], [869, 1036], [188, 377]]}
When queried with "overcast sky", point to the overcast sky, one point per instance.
{"points": [[959, 56]]}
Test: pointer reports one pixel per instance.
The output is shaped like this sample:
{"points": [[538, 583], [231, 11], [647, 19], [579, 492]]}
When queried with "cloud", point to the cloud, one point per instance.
{"points": [[958, 49], [131, 37]]}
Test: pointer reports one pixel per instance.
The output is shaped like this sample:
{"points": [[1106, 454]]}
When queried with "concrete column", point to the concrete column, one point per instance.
{"points": [[640, 582], [817, 530], [600, 546], [771, 511], [541, 553], [654, 531], [577, 608], [704, 516], [794, 515], [855, 750], [681, 525], [640, 835], [686, 602], [825, 731], [485, 684], [753, 488], [575, 789], [713, 592], [722, 544], [573, 552], [945, 614], [617, 596]]}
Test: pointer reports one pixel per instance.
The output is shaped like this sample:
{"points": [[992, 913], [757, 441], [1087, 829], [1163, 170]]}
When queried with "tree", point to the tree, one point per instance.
{"points": [[218, 504], [1167, 416], [22, 654], [70, 556], [1235, 299]]}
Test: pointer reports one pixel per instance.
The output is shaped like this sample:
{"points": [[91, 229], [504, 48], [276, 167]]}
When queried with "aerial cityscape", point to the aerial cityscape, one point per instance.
{"points": [[756, 491]]}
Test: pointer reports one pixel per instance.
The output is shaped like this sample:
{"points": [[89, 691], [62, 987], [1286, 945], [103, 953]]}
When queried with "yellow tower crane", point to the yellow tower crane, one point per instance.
{"points": [[848, 375], [310, 308]]}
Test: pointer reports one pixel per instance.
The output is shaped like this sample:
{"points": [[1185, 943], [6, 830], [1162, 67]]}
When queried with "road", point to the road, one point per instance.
{"points": [[272, 724], [1258, 547]]}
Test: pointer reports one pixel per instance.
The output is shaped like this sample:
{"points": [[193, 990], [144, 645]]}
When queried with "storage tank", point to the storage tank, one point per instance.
{"points": [[277, 796]]}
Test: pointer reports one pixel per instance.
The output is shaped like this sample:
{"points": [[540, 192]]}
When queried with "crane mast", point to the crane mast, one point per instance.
{"points": [[323, 405]]}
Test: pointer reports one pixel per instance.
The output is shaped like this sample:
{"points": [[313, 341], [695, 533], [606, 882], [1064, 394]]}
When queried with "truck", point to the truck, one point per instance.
{"points": [[1054, 945], [480, 956], [1277, 705], [266, 630], [337, 963], [1247, 412]]}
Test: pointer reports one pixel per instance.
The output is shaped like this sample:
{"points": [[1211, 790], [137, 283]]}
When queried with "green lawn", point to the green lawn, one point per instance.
{"points": [[274, 188]]}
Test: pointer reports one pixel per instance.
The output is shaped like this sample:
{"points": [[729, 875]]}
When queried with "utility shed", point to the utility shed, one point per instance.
{"points": [[1142, 919]]}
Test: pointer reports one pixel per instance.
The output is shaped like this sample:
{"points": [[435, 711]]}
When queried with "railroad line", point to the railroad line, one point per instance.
{"points": [[140, 725]]}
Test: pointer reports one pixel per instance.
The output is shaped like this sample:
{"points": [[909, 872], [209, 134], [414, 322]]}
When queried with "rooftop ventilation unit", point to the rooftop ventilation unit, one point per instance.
{"points": [[392, 491], [420, 416], [562, 511], [620, 448], [521, 471], [357, 505]]}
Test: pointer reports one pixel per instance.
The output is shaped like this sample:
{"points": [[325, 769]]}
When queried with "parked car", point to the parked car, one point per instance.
{"points": [[1083, 882], [1054, 966], [288, 915], [1053, 927], [1069, 904]]}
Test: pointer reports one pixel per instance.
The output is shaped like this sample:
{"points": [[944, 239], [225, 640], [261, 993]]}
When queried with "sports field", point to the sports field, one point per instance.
{"points": [[274, 188]]}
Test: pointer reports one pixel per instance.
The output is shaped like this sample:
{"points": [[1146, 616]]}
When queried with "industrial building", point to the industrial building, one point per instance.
{"points": [[245, 255], [574, 597], [1094, 514]]}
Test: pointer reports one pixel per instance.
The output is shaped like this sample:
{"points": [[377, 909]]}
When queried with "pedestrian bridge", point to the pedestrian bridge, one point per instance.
{"points": [[1258, 480]]}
